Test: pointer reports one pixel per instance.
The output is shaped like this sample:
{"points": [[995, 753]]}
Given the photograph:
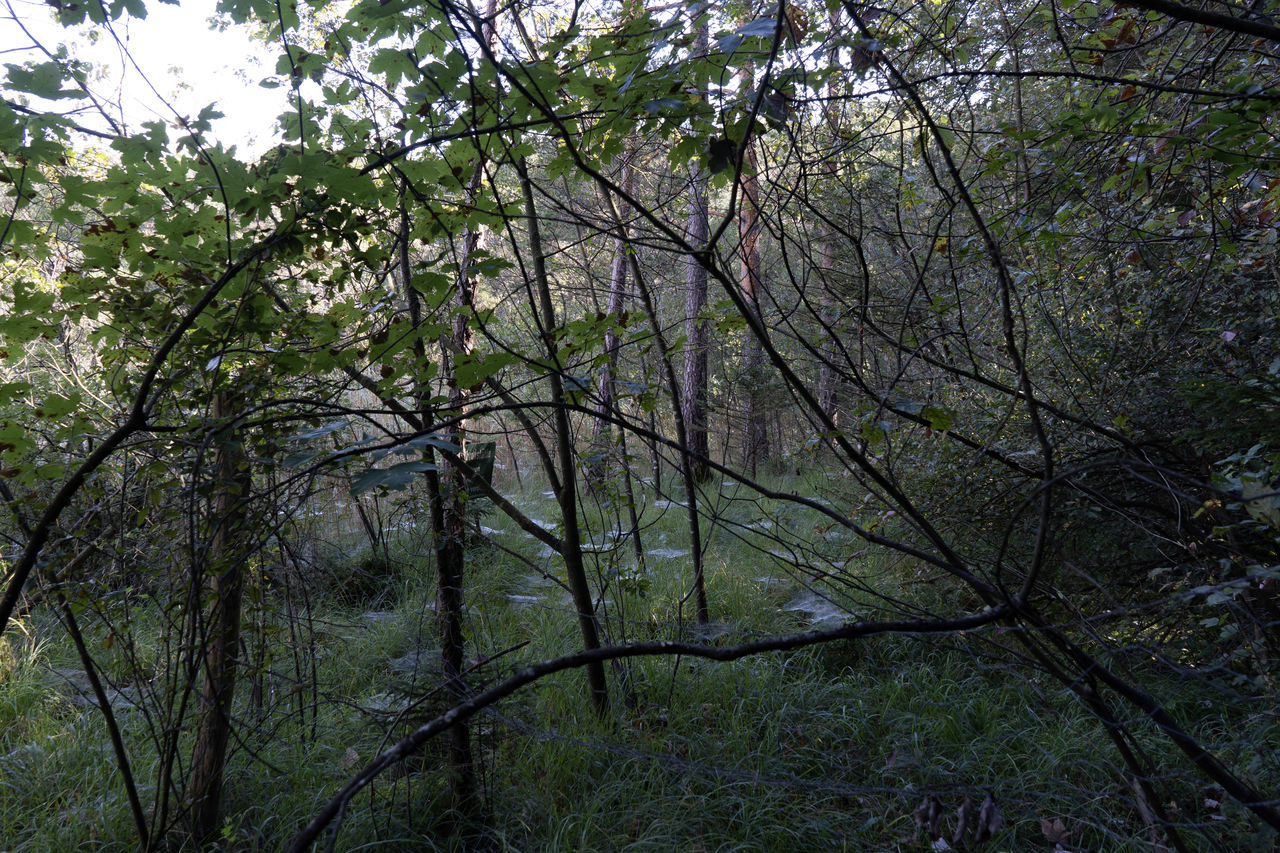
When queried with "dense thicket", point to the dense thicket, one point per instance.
{"points": [[986, 287]]}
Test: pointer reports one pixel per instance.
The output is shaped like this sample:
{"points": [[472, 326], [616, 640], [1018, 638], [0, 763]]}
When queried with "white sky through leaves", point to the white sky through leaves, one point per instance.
{"points": [[176, 50]]}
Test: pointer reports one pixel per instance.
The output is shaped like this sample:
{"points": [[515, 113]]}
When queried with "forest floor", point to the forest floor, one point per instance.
{"points": [[829, 748]]}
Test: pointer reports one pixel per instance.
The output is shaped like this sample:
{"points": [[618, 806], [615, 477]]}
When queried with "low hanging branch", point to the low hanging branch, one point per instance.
{"points": [[463, 712]]}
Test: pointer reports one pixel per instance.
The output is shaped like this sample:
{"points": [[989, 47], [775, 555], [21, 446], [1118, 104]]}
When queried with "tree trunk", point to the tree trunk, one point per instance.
{"points": [[566, 494], [695, 299], [827, 379], [755, 435], [224, 574], [451, 538], [599, 465], [682, 431], [451, 535]]}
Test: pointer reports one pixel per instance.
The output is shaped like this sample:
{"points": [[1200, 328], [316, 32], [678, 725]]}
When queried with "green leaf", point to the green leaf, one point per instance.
{"points": [[57, 405], [758, 27], [1262, 500], [661, 105], [302, 458], [393, 478], [874, 431], [729, 43], [904, 405], [422, 442], [721, 154], [471, 371], [320, 432], [43, 80], [939, 418]]}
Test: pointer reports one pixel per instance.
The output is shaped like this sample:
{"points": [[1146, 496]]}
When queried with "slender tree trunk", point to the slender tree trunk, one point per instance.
{"points": [[602, 440], [755, 434], [449, 562], [449, 555], [451, 536], [827, 379], [566, 495], [655, 458], [1015, 52], [630, 496], [224, 572], [828, 397], [694, 403], [451, 547], [451, 543], [682, 431]]}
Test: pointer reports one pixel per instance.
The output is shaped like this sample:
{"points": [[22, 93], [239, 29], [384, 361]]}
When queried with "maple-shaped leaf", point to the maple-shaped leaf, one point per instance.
{"points": [[796, 23]]}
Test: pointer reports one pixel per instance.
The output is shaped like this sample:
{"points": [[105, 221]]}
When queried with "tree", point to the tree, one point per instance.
{"points": [[224, 570], [694, 401], [755, 447]]}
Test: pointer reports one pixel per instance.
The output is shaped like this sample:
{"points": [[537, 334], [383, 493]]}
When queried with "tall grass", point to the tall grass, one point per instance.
{"points": [[830, 748]]}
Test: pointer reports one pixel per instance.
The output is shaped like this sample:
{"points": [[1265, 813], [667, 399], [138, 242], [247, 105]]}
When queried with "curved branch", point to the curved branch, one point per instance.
{"points": [[530, 674]]}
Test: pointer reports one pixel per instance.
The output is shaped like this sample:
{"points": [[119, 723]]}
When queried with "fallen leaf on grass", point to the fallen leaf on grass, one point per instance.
{"points": [[929, 815], [989, 818], [963, 815], [1055, 832]]}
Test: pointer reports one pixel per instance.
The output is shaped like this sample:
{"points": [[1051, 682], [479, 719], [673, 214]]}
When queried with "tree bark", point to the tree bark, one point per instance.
{"points": [[755, 435], [224, 574], [601, 441], [566, 495], [828, 397], [682, 431], [694, 403], [451, 536]]}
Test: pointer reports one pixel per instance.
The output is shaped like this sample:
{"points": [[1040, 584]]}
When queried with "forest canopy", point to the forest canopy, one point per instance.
{"points": [[856, 422]]}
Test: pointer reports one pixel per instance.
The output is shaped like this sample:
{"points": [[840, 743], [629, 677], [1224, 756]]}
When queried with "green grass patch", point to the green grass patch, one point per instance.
{"points": [[826, 748]]}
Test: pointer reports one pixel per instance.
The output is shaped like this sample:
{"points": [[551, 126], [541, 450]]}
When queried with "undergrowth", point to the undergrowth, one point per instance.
{"points": [[829, 748]]}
